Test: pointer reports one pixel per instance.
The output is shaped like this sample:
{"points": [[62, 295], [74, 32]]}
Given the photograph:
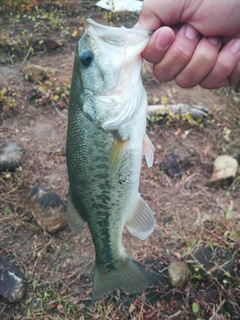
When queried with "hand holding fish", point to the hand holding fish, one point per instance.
{"points": [[195, 42]]}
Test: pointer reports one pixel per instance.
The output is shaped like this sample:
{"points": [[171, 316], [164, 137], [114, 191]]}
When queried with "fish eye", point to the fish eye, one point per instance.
{"points": [[86, 58]]}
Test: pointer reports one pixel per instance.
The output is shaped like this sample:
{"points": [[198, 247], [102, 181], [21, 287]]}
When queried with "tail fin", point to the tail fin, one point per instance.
{"points": [[128, 277]]}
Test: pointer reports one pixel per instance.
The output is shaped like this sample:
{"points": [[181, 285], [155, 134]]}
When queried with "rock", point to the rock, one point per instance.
{"points": [[207, 262], [12, 284], [179, 273], [192, 152], [190, 183], [224, 167], [34, 72], [33, 94], [174, 165], [10, 156], [45, 44], [47, 208], [4, 59], [208, 222]]}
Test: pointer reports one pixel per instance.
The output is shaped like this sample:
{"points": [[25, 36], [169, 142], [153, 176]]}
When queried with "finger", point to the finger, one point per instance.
{"points": [[158, 44], [203, 15], [148, 19], [221, 73], [201, 63], [233, 36], [157, 13], [234, 76], [178, 55]]}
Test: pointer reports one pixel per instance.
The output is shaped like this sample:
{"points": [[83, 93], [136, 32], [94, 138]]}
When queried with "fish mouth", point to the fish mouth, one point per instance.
{"points": [[114, 29], [114, 35]]}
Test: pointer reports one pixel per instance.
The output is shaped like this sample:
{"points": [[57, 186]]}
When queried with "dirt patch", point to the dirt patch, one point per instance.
{"points": [[58, 268]]}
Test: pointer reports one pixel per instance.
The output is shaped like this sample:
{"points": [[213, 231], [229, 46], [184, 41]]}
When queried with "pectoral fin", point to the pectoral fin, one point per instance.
{"points": [[141, 222], [148, 150], [74, 219], [115, 156]]}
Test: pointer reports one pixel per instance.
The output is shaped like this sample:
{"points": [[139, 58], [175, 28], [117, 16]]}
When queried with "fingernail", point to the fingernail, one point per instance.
{"points": [[235, 47], [214, 40], [190, 32], [163, 40]]}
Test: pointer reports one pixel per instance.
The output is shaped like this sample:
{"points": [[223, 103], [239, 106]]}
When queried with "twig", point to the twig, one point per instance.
{"points": [[10, 191], [10, 58], [24, 60], [175, 314], [197, 111], [57, 110], [62, 278]]}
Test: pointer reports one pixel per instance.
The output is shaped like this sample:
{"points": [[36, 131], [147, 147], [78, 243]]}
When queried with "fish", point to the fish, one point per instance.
{"points": [[106, 139]]}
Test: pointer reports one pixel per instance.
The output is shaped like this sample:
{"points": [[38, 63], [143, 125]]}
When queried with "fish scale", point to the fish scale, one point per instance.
{"points": [[90, 190], [104, 164]]}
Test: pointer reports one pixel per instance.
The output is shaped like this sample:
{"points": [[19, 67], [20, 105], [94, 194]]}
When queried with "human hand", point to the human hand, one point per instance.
{"points": [[195, 42]]}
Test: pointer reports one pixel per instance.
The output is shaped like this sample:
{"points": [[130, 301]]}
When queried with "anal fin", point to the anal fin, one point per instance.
{"points": [[115, 156], [148, 150], [74, 219], [141, 222]]}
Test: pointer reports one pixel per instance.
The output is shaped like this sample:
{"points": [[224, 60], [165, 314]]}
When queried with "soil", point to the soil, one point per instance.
{"points": [[58, 268]]}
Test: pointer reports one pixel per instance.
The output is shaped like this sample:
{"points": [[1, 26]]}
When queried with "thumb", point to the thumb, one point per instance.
{"points": [[156, 13], [148, 20]]}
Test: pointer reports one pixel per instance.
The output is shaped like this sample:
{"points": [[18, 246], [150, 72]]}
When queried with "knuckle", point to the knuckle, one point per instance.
{"points": [[219, 75], [211, 83], [223, 67], [207, 58], [159, 73], [184, 81], [181, 54]]}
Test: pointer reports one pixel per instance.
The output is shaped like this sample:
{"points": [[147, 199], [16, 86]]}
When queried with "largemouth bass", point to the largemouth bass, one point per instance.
{"points": [[106, 139]]}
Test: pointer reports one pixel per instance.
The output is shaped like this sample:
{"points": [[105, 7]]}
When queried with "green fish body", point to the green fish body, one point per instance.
{"points": [[105, 142]]}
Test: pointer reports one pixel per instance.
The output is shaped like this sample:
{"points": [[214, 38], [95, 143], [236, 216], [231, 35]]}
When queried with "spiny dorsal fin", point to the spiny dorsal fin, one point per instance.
{"points": [[75, 221], [141, 222]]}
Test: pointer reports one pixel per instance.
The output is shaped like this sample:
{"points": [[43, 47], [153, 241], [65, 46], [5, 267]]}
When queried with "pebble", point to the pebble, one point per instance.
{"points": [[33, 72], [12, 284], [179, 273], [10, 156], [47, 208], [207, 262], [174, 165]]}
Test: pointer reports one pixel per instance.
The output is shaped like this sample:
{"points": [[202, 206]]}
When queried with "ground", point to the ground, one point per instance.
{"points": [[58, 267]]}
